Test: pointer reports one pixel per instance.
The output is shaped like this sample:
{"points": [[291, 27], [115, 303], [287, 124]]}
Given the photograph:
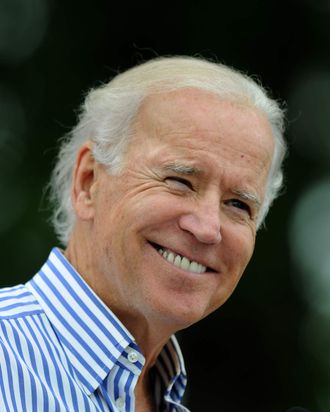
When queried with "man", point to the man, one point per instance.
{"points": [[159, 192]]}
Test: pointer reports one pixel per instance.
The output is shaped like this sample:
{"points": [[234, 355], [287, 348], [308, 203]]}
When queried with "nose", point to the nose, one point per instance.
{"points": [[203, 223]]}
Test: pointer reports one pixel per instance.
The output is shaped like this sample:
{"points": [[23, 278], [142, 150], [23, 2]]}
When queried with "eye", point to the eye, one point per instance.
{"points": [[239, 204], [179, 182]]}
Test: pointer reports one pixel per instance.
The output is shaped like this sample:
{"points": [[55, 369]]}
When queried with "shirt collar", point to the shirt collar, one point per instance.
{"points": [[171, 369], [90, 333]]}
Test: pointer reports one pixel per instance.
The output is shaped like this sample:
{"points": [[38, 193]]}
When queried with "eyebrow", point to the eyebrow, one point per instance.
{"points": [[249, 197], [188, 170], [182, 169]]}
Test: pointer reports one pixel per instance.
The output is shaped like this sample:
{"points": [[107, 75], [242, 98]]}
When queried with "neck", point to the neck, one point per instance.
{"points": [[150, 332], [150, 335]]}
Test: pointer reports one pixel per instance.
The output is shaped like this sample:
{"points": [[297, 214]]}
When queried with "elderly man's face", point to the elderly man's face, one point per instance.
{"points": [[171, 236]]}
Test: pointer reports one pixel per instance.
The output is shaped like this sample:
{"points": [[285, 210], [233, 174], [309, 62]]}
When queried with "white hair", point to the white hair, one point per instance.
{"points": [[108, 113]]}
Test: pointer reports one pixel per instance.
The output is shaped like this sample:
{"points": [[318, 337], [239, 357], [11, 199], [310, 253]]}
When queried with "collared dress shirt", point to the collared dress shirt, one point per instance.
{"points": [[63, 350]]}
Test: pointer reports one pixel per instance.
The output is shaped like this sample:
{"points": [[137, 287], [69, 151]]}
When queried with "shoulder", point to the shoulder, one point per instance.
{"points": [[16, 302]]}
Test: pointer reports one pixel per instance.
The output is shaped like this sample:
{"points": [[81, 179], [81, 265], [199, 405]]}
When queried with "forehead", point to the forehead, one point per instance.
{"points": [[184, 105], [190, 120]]}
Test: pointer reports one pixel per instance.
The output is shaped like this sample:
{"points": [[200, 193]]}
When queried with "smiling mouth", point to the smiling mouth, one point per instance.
{"points": [[180, 261]]}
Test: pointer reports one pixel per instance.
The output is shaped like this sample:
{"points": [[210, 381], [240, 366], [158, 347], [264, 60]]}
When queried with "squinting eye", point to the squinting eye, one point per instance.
{"points": [[179, 182], [240, 205]]}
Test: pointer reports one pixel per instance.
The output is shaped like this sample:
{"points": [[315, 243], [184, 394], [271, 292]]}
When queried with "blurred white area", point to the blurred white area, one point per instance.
{"points": [[23, 25], [309, 237]]}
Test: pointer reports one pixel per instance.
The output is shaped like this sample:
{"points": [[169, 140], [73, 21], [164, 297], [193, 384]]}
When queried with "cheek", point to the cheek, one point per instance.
{"points": [[241, 250], [147, 213]]}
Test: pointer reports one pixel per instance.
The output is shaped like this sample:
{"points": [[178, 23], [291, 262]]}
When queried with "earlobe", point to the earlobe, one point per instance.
{"points": [[83, 182]]}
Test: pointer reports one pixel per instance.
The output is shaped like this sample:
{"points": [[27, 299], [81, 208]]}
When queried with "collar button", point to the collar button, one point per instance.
{"points": [[132, 356], [120, 403]]}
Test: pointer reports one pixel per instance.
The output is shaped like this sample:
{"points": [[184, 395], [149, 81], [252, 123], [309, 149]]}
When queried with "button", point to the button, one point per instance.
{"points": [[132, 356], [120, 403]]}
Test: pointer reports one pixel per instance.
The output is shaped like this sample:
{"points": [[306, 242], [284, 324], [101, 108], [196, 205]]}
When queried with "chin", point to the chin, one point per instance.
{"points": [[180, 315]]}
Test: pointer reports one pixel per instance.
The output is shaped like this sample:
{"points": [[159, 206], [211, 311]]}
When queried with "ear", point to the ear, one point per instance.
{"points": [[84, 178]]}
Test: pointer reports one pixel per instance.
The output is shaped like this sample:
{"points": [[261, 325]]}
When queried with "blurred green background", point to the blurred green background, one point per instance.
{"points": [[269, 346]]}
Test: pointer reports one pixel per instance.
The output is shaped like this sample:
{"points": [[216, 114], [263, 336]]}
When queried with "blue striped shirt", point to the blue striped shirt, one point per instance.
{"points": [[62, 349]]}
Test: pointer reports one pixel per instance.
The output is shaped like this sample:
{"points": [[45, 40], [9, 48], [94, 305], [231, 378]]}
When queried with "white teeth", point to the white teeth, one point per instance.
{"points": [[194, 267], [185, 263], [177, 261], [170, 257], [182, 262]]}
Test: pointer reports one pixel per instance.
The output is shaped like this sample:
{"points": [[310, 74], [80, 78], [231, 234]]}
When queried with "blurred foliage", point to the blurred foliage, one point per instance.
{"points": [[261, 356]]}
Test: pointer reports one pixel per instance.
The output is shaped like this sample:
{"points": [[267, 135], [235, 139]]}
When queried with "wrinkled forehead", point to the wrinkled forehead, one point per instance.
{"points": [[190, 106], [189, 120], [194, 109]]}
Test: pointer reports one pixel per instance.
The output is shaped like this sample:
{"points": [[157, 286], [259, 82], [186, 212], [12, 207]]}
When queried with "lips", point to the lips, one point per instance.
{"points": [[181, 261]]}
